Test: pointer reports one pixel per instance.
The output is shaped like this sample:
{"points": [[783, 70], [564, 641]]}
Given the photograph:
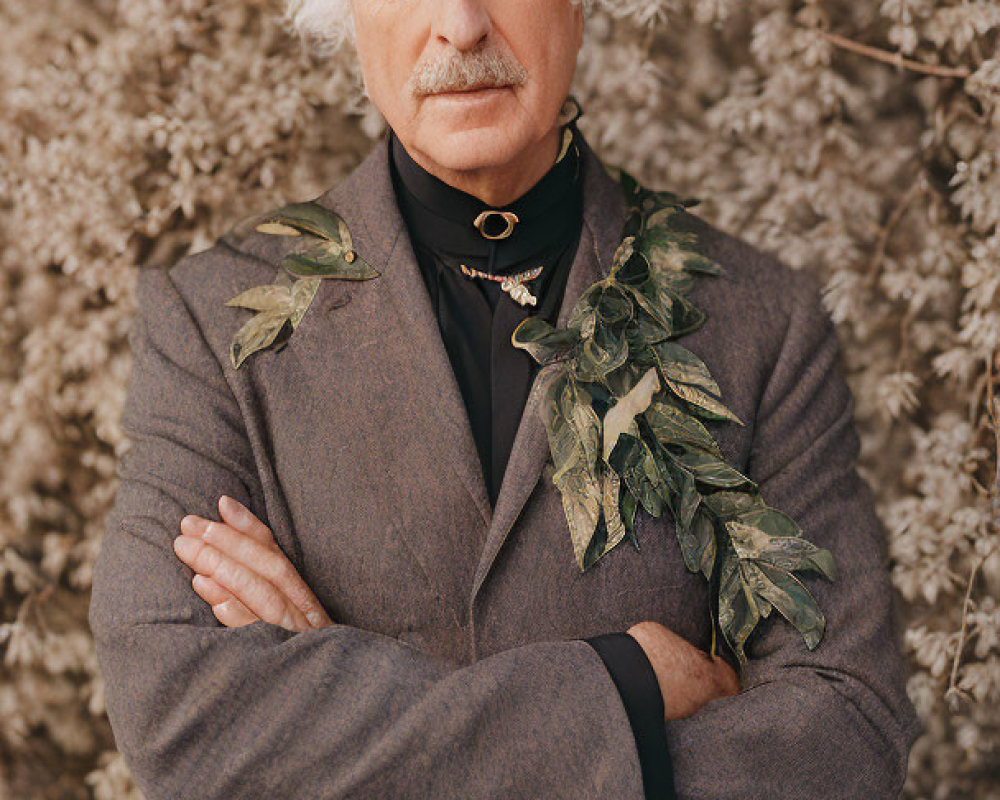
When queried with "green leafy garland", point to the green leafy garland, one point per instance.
{"points": [[621, 415]]}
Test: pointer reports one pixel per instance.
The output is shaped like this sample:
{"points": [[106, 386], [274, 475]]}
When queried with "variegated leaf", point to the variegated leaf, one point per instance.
{"points": [[739, 609], [269, 297], [680, 364], [781, 551], [542, 341], [257, 333], [329, 260], [611, 487], [303, 292], [670, 424], [712, 471], [623, 413], [574, 434], [310, 218], [705, 404], [792, 599]]}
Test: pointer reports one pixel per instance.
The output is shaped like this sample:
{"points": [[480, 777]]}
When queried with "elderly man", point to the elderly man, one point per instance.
{"points": [[430, 407]]}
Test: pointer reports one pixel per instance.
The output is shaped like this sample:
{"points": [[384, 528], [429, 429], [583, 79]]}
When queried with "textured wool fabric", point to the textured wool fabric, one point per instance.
{"points": [[476, 319], [456, 668]]}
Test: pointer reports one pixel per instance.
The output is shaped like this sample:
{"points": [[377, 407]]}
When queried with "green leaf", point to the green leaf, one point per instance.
{"points": [[792, 599], [697, 543], [584, 309], [689, 500], [782, 551], [614, 308], [310, 218], [610, 489], [303, 292], [595, 548], [703, 403], [728, 505], [574, 438], [634, 271], [703, 533], [628, 505], [599, 354], [257, 333], [543, 342], [269, 297], [329, 260], [648, 448], [739, 610], [633, 461], [712, 471], [687, 317], [680, 364], [653, 306], [673, 426], [696, 262]]}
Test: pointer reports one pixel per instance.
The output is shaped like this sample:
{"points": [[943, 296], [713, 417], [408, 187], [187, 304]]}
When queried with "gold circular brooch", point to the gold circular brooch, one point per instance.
{"points": [[509, 217]]}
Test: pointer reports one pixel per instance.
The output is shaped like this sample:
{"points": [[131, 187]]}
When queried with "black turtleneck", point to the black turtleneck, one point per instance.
{"points": [[476, 318]]}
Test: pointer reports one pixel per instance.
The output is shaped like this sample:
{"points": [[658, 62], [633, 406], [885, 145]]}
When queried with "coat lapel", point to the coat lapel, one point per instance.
{"points": [[366, 200], [603, 218]]}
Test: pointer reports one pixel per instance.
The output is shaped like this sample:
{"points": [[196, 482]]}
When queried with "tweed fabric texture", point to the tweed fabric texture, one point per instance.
{"points": [[456, 668]]}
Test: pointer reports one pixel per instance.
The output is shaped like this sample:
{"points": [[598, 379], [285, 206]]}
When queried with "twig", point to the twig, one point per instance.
{"points": [[897, 214], [896, 59], [992, 403], [953, 680]]}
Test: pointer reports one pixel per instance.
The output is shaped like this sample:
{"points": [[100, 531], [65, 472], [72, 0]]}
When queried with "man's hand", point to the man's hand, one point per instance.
{"points": [[242, 573], [688, 677]]}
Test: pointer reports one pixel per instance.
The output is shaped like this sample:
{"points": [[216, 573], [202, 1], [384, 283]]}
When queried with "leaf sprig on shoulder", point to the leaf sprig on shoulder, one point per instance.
{"points": [[623, 411], [327, 252]]}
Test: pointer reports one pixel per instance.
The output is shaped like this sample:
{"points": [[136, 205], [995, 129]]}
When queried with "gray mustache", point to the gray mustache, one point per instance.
{"points": [[476, 69]]}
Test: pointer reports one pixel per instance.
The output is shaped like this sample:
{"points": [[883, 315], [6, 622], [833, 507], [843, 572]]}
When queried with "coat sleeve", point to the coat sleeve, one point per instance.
{"points": [[834, 722], [206, 712]]}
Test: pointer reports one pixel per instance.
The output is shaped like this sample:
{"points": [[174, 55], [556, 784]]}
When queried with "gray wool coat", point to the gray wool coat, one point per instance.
{"points": [[456, 668]]}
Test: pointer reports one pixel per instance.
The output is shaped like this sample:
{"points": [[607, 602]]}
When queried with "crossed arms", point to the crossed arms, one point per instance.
{"points": [[202, 709]]}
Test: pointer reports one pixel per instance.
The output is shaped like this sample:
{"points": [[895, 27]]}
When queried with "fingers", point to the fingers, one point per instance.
{"points": [[727, 676], [226, 606], [243, 519], [268, 562], [210, 591], [255, 592]]}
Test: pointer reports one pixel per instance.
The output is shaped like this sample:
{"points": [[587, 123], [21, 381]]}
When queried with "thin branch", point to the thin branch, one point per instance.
{"points": [[993, 380], [894, 218], [953, 689], [896, 59]]}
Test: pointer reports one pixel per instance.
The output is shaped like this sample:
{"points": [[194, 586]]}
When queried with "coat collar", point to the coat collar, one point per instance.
{"points": [[366, 200]]}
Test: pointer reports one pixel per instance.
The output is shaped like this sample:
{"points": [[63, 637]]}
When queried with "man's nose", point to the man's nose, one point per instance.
{"points": [[463, 24]]}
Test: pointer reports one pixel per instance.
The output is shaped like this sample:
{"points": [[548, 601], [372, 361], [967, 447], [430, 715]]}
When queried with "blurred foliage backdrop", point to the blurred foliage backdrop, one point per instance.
{"points": [[857, 139]]}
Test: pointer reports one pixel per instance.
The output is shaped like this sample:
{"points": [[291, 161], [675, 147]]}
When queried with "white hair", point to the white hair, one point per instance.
{"points": [[329, 24]]}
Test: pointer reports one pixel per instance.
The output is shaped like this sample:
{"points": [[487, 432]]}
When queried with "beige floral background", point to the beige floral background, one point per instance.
{"points": [[857, 139]]}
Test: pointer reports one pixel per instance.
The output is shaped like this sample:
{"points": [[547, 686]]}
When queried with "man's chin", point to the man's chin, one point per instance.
{"points": [[471, 148]]}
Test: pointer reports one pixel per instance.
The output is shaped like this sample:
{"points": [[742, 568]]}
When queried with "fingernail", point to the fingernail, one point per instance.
{"points": [[193, 525], [184, 546]]}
